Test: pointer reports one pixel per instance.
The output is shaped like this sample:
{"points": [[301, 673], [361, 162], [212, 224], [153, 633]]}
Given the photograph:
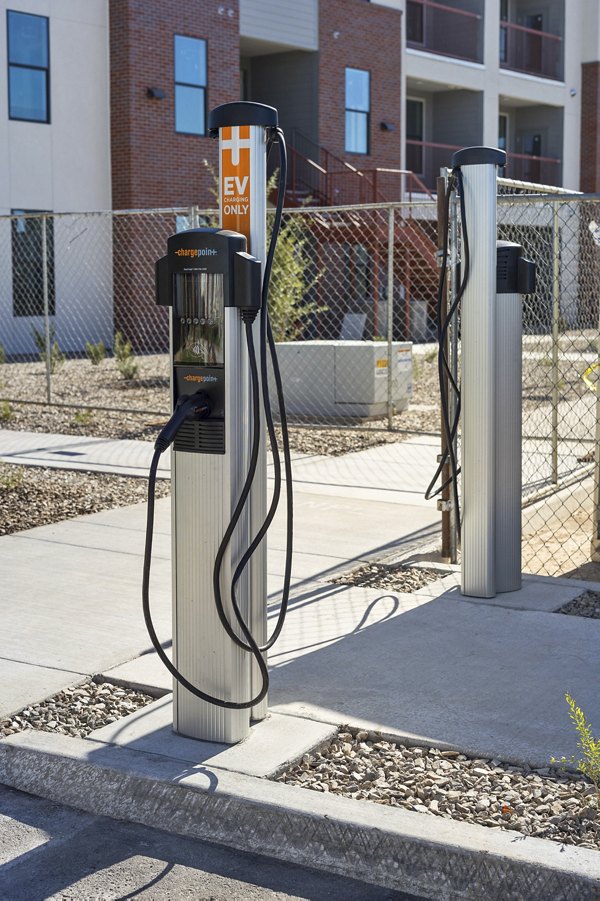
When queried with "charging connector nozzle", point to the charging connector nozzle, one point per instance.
{"points": [[191, 406]]}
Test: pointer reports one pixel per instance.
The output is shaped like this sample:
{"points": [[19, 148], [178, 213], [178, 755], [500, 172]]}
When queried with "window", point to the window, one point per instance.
{"points": [[27, 264], [503, 131], [190, 85], [28, 60], [415, 26], [415, 110], [358, 104]]}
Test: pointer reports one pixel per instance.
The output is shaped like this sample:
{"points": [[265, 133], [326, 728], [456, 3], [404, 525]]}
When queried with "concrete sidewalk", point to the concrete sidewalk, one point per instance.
{"points": [[487, 677]]}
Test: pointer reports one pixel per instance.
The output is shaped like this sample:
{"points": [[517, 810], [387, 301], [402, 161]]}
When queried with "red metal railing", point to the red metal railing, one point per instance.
{"points": [[543, 170], [444, 30], [344, 184], [427, 158], [527, 50]]}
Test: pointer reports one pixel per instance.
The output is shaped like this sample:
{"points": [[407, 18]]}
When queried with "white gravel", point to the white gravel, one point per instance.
{"points": [[587, 604], [395, 576], [77, 711], [546, 803]]}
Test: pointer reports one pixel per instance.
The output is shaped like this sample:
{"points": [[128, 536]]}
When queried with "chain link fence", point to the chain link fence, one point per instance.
{"points": [[354, 312]]}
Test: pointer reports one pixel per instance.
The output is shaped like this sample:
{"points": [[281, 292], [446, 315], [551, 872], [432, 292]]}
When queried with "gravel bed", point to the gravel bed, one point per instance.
{"points": [[587, 604], [77, 381], [546, 803], [77, 711], [35, 496], [396, 576]]}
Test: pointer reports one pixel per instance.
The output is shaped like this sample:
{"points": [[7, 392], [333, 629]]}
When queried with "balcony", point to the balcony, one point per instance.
{"points": [[529, 50], [541, 170], [427, 158], [455, 31]]}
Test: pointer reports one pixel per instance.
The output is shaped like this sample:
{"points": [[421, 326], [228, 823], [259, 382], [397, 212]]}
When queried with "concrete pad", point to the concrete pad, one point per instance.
{"points": [[272, 745], [534, 595], [21, 682], [398, 473], [76, 608], [121, 457], [400, 849], [478, 677]]}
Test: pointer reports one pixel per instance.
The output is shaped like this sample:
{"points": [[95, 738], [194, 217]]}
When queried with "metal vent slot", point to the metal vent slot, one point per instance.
{"points": [[205, 437]]}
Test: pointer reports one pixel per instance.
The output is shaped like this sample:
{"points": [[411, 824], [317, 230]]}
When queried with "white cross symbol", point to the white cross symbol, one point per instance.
{"points": [[235, 144]]}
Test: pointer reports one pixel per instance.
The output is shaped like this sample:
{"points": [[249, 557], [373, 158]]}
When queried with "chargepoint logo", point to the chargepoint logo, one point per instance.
{"points": [[196, 252], [200, 378]]}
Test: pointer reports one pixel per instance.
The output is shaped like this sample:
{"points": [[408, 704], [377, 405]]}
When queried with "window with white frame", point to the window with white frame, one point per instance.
{"points": [[190, 85], [358, 108], [28, 55]]}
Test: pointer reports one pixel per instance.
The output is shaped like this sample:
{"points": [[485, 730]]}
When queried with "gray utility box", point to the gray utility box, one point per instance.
{"points": [[334, 379]]}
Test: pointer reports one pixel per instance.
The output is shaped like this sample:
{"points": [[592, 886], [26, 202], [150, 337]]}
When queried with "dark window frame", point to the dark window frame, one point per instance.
{"points": [[45, 69], [365, 113], [26, 261], [185, 84]]}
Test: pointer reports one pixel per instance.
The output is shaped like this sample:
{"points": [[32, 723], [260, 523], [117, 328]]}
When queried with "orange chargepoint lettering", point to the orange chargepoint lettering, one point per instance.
{"points": [[235, 179]]}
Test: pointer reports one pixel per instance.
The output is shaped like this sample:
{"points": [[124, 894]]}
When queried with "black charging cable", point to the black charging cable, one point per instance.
{"points": [[267, 341], [455, 183], [192, 408]]}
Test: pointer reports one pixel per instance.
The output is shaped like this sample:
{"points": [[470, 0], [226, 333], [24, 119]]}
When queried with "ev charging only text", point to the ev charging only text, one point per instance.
{"points": [[236, 196]]}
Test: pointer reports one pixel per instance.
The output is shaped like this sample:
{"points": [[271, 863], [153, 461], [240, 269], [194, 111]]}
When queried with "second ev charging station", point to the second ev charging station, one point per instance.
{"points": [[495, 275], [220, 334]]}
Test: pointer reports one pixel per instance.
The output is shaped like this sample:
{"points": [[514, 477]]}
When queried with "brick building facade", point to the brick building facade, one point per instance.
{"points": [[590, 127]]}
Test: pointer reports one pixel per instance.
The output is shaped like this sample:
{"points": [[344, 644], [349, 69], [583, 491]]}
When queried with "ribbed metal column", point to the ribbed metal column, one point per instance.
{"points": [[478, 166], [509, 367]]}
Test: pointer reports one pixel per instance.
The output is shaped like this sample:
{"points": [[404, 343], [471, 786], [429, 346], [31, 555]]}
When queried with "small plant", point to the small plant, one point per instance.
{"points": [[83, 417], [589, 762], [95, 352], [128, 368], [57, 357], [124, 356], [6, 413], [11, 479], [2, 355]]}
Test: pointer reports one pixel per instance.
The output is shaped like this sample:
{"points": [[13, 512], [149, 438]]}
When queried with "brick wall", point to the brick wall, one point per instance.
{"points": [[590, 127], [368, 37], [153, 165]]}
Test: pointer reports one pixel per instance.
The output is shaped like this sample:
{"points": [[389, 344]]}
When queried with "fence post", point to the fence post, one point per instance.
{"points": [[390, 318], [555, 334], [47, 337]]}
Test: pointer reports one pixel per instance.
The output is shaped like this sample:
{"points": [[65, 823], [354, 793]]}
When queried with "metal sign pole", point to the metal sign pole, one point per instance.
{"points": [[243, 132]]}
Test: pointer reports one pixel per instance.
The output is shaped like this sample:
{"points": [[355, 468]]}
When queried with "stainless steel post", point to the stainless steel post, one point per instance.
{"points": [[478, 166], [46, 297], [390, 319], [243, 130]]}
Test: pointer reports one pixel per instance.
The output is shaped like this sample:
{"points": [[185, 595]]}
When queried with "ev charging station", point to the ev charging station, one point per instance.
{"points": [[491, 331], [216, 283]]}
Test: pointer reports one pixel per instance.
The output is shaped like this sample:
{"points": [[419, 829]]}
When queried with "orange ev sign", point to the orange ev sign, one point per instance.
{"points": [[235, 179]]}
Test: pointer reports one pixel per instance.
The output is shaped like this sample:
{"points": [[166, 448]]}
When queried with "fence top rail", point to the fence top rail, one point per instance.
{"points": [[172, 211], [533, 186], [572, 197], [360, 207]]}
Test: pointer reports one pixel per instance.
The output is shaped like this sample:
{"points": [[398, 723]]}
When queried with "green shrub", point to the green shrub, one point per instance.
{"points": [[124, 356], [6, 413], [122, 347], [589, 762], [83, 417], [95, 352], [128, 368], [57, 357], [2, 355]]}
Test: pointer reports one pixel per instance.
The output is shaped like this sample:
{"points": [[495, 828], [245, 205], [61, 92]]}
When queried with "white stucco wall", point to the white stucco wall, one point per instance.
{"points": [[61, 166]]}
